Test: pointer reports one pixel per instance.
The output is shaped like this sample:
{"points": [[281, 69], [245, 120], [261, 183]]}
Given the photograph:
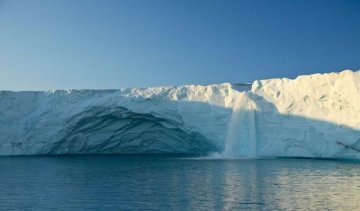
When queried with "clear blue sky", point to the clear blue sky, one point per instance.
{"points": [[46, 44]]}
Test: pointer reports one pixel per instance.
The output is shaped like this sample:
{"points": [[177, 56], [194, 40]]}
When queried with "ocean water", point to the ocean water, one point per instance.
{"points": [[115, 182]]}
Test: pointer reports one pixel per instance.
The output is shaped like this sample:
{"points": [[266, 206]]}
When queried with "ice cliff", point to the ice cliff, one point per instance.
{"points": [[311, 116]]}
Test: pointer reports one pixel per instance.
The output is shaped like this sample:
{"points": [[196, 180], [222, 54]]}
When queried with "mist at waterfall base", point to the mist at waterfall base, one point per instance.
{"points": [[119, 182]]}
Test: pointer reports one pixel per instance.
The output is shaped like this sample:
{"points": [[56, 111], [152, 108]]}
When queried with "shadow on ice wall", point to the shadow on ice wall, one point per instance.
{"points": [[251, 133]]}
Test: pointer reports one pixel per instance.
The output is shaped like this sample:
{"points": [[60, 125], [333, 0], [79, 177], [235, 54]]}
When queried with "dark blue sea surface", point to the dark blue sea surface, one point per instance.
{"points": [[113, 182]]}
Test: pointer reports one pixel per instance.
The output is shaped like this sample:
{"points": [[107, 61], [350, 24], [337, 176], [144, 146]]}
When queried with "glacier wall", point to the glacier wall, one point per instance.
{"points": [[311, 116]]}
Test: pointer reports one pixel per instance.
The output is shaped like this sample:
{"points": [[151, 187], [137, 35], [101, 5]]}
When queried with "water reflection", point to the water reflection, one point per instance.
{"points": [[135, 183]]}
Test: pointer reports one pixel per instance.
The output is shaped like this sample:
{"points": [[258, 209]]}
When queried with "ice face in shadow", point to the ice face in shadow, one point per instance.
{"points": [[118, 130], [183, 120], [311, 116]]}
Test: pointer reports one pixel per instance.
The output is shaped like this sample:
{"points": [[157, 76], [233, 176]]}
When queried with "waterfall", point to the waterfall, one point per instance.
{"points": [[252, 131], [241, 135], [233, 127]]}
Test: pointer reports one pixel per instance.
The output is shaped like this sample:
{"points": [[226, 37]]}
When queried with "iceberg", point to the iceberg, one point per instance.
{"points": [[315, 116]]}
